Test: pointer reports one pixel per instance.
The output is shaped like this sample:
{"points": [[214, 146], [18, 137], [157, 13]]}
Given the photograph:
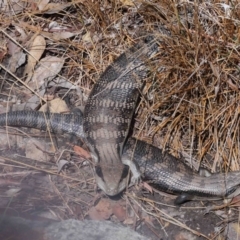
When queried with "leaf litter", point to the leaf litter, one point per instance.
{"points": [[189, 106]]}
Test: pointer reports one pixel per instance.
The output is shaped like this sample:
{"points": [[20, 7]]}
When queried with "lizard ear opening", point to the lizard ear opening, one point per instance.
{"points": [[98, 171], [125, 172]]}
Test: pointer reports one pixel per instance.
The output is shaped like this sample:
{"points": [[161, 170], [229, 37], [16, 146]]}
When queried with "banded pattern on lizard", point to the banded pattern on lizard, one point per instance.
{"points": [[109, 111], [164, 170]]}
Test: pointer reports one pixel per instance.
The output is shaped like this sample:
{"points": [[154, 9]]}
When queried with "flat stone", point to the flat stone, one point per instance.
{"points": [[20, 228]]}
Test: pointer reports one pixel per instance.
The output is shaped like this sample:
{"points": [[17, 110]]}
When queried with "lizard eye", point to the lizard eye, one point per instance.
{"points": [[125, 172], [98, 171]]}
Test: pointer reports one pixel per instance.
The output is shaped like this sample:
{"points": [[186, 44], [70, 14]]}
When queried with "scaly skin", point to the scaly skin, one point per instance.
{"points": [[163, 170], [109, 112], [173, 176], [55, 122]]}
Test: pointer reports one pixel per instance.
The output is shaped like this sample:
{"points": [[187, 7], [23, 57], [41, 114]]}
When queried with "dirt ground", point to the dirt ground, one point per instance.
{"points": [[33, 189], [52, 53]]}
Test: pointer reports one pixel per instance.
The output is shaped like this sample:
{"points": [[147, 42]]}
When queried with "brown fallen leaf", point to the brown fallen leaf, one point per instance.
{"points": [[47, 69], [42, 4], [61, 164], [127, 2], [102, 211], [81, 152], [235, 201], [56, 105], [119, 211], [35, 53]]}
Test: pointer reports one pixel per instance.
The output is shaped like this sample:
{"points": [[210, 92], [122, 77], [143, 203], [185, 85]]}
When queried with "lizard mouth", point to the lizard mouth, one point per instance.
{"points": [[109, 180], [109, 189]]}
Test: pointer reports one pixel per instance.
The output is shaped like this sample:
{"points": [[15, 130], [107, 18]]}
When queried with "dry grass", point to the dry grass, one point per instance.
{"points": [[196, 94]]}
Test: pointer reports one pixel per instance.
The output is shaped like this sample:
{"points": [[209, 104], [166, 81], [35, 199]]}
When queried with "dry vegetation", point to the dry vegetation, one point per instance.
{"points": [[190, 104]]}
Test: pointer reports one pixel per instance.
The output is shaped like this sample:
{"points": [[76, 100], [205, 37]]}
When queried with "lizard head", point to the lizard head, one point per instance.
{"points": [[112, 179]]}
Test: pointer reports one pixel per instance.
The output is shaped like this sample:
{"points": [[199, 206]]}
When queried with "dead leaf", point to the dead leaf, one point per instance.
{"points": [[56, 36], [63, 35], [18, 57], [61, 164], [42, 4], [31, 103], [235, 201], [82, 152], [17, 60], [54, 7], [47, 68], [12, 7], [87, 37], [120, 212], [57, 105], [127, 2], [102, 211], [35, 53]]}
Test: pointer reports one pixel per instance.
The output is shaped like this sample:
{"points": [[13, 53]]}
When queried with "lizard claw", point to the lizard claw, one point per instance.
{"points": [[136, 175]]}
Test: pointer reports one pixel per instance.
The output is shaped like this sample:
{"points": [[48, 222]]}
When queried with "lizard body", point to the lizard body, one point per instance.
{"points": [[162, 169]]}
